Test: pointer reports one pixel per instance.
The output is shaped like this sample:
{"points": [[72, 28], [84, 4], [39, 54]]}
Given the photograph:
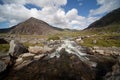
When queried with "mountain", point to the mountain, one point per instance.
{"points": [[111, 21], [32, 26]]}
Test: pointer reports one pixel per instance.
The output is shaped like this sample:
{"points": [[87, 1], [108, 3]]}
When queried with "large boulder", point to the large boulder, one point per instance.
{"points": [[16, 48]]}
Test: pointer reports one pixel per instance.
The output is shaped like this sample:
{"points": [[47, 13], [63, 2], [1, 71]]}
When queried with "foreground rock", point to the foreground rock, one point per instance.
{"points": [[2, 66], [115, 73], [16, 48], [66, 67]]}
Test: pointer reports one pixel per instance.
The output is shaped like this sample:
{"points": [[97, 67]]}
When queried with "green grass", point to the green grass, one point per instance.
{"points": [[55, 37], [4, 48], [102, 40]]}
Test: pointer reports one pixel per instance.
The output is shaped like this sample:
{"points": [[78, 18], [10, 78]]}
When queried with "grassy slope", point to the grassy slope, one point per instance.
{"points": [[106, 36]]}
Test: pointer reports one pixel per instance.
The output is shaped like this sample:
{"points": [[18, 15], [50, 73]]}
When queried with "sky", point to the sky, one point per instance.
{"points": [[72, 14]]}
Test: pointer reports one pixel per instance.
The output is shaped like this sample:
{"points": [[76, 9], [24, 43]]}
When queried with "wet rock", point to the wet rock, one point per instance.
{"points": [[16, 48]]}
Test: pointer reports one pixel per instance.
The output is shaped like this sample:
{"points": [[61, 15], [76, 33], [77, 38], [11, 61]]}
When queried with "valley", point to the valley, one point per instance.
{"points": [[35, 50]]}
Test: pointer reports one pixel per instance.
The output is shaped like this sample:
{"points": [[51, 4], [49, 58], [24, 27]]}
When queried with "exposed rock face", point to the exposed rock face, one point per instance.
{"points": [[16, 48]]}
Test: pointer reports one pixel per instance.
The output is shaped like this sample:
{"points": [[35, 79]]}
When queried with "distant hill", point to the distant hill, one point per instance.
{"points": [[32, 26], [110, 22]]}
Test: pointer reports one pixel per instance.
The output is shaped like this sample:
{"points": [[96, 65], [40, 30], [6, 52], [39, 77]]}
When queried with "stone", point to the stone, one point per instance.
{"points": [[23, 64], [16, 48], [40, 50], [37, 57], [18, 61], [35, 49], [115, 74], [78, 40], [95, 47], [28, 56], [2, 66], [100, 51], [47, 49], [94, 41]]}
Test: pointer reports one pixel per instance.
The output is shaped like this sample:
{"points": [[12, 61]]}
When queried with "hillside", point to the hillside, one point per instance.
{"points": [[105, 31], [109, 19], [32, 26]]}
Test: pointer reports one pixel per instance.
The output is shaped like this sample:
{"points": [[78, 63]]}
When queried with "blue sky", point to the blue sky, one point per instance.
{"points": [[73, 14]]}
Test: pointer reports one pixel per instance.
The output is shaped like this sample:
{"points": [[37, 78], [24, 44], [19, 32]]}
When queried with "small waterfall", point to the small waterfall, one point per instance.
{"points": [[71, 47]]}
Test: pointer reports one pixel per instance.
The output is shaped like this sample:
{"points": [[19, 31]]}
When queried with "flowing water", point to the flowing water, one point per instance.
{"points": [[71, 47]]}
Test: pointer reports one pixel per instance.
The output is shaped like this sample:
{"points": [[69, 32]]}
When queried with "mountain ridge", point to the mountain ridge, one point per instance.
{"points": [[32, 26], [110, 18]]}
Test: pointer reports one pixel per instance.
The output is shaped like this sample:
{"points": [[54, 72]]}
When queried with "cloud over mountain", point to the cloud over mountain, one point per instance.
{"points": [[51, 11]]}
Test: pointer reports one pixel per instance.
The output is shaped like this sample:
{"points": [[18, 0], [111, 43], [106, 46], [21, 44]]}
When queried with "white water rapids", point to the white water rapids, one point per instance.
{"points": [[71, 47]]}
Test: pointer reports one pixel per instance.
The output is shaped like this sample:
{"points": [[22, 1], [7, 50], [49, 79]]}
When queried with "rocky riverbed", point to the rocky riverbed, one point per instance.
{"points": [[64, 61]]}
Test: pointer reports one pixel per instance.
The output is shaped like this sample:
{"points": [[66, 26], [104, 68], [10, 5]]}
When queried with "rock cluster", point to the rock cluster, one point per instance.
{"points": [[104, 50], [40, 50]]}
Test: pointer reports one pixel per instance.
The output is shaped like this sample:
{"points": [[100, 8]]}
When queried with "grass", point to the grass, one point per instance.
{"points": [[4, 48], [102, 40], [29, 44], [55, 37]]}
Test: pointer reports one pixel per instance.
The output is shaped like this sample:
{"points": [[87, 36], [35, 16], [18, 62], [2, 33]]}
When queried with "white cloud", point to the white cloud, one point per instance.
{"points": [[2, 19], [15, 12], [105, 6]]}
